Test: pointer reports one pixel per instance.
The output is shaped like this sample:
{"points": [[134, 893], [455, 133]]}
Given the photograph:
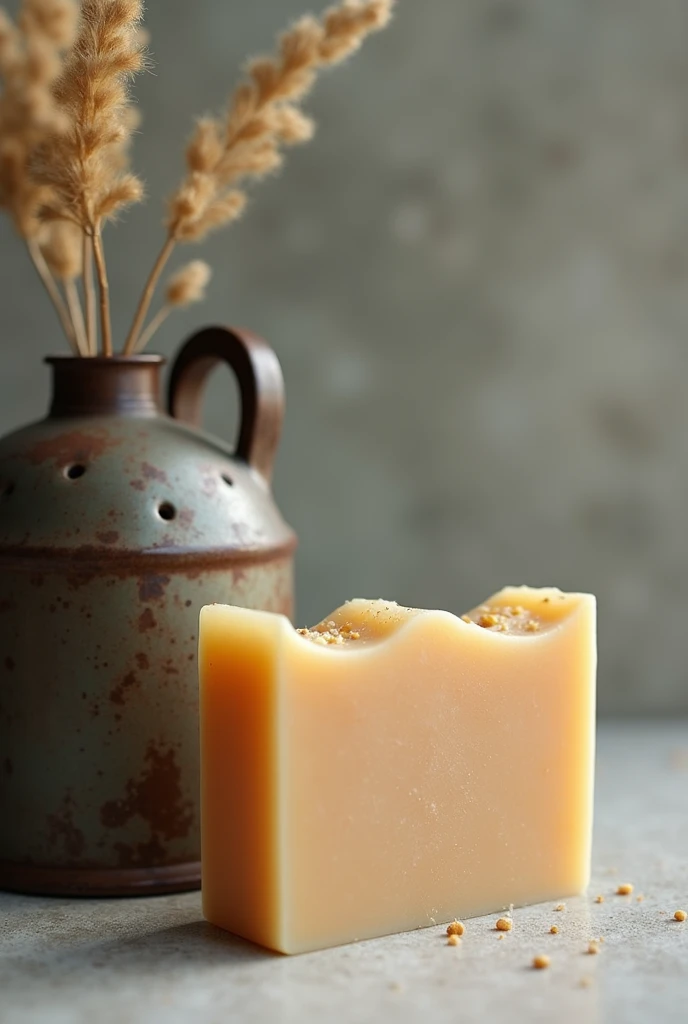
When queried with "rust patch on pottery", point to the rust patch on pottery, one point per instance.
{"points": [[108, 536], [142, 660], [147, 621], [63, 832], [152, 588], [137, 855], [153, 473], [156, 796], [74, 446], [138, 485], [118, 694]]}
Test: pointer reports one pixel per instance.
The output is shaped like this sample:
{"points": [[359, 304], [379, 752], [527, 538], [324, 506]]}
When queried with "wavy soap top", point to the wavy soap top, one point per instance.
{"points": [[513, 611]]}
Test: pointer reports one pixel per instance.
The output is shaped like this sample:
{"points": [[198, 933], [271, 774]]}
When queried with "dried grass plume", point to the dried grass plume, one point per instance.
{"points": [[262, 118], [66, 125]]}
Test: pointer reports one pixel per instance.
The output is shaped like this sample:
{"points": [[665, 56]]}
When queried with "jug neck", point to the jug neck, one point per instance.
{"points": [[121, 385]]}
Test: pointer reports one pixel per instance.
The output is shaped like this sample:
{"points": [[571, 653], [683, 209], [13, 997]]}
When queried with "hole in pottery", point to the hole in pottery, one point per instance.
{"points": [[6, 490], [75, 471], [166, 510], [228, 480]]}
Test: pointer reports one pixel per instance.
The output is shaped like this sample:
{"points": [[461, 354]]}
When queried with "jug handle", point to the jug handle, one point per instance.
{"points": [[261, 389]]}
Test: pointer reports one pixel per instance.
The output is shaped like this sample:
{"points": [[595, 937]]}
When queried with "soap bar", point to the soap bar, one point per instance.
{"points": [[393, 768]]}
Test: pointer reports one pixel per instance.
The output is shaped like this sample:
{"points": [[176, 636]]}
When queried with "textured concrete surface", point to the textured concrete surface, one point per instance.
{"points": [[475, 277], [155, 960]]}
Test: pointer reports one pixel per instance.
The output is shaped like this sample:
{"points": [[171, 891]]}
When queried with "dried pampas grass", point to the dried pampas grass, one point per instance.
{"points": [[262, 118], [186, 286], [86, 166], [30, 62], [62, 248], [66, 124]]}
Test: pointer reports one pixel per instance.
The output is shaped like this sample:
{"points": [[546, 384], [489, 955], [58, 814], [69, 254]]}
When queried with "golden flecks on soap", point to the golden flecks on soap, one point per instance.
{"points": [[504, 619], [680, 915], [599, 899], [554, 930], [454, 940], [593, 948], [329, 634], [639, 898], [625, 889], [560, 906], [456, 928], [541, 963], [504, 924]]}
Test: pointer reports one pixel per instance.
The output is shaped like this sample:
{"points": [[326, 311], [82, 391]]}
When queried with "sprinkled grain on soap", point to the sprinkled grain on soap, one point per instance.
{"points": [[456, 928], [541, 962], [680, 915], [453, 940], [504, 924], [625, 889]]}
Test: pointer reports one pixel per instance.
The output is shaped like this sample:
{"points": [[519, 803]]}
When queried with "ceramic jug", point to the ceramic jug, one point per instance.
{"points": [[118, 521]]}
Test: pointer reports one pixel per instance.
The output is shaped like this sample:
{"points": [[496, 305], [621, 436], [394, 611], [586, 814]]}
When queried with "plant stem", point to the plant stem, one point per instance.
{"points": [[77, 317], [157, 321], [53, 291], [130, 344], [90, 297], [103, 293]]}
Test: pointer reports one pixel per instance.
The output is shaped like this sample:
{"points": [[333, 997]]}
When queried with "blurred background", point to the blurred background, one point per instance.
{"points": [[476, 279]]}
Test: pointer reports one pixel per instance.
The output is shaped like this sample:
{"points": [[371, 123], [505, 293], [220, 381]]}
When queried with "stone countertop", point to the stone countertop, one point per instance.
{"points": [[150, 960]]}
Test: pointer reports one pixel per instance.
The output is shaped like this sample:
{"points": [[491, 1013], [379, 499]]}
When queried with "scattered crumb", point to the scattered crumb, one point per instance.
{"points": [[554, 930], [680, 915], [504, 924], [456, 928], [501, 935], [599, 899], [453, 940], [625, 889], [585, 982], [541, 962], [639, 898], [601, 938], [395, 986], [532, 626], [545, 600], [593, 948], [560, 906], [354, 635], [488, 621]]}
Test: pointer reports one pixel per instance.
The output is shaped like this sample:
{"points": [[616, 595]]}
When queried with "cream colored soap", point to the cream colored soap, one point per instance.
{"points": [[394, 768]]}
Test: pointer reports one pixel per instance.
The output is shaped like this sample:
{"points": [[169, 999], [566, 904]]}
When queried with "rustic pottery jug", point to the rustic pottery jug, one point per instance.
{"points": [[117, 523]]}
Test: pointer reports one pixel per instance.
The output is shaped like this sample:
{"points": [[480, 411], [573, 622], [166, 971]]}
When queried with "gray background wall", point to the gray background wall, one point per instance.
{"points": [[476, 280]]}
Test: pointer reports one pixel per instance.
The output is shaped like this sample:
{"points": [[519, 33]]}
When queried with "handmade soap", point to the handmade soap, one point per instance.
{"points": [[394, 768]]}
